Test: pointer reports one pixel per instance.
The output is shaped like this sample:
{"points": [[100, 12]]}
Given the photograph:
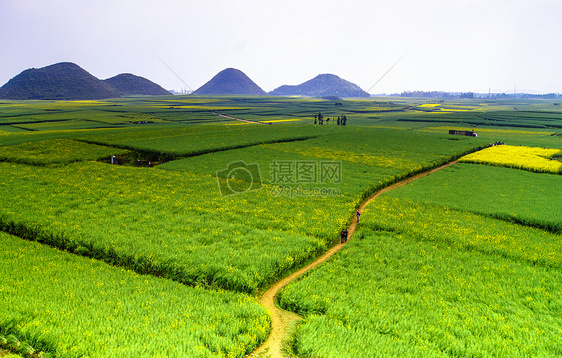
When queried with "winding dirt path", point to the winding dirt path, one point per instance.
{"points": [[283, 321]]}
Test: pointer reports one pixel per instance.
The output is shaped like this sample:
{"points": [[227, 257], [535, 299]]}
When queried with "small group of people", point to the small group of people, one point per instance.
{"points": [[344, 236], [344, 233], [493, 144]]}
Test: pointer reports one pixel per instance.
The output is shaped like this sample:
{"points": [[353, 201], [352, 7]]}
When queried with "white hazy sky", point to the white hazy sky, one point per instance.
{"points": [[451, 45]]}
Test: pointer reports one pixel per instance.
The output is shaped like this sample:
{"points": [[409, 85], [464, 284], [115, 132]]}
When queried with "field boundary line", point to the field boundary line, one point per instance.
{"points": [[194, 153], [281, 319]]}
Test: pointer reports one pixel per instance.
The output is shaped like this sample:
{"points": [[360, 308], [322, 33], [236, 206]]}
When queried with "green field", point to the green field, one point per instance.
{"points": [[55, 151], [396, 295], [47, 293], [509, 194], [139, 217], [423, 279], [132, 260]]}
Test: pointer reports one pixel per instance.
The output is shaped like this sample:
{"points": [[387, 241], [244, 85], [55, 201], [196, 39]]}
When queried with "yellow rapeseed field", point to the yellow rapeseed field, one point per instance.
{"points": [[533, 159], [282, 120]]}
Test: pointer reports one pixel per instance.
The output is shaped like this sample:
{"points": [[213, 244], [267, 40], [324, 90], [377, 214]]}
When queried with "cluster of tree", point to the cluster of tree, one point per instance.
{"points": [[426, 94], [441, 94], [522, 96], [340, 120], [437, 94], [541, 96]]}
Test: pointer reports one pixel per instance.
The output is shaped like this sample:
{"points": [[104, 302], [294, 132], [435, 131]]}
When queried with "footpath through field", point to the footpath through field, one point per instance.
{"points": [[240, 119], [282, 322]]}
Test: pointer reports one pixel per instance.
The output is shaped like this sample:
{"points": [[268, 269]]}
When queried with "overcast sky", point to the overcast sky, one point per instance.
{"points": [[450, 45]]}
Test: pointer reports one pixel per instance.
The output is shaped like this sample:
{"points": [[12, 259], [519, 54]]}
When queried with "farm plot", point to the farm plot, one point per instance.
{"points": [[467, 230], [394, 295], [25, 137], [513, 136], [177, 224], [501, 113], [73, 306], [182, 140], [55, 151], [63, 125], [369, 157], [531, 199], [423, 280], [534, 159], [172, 224]]}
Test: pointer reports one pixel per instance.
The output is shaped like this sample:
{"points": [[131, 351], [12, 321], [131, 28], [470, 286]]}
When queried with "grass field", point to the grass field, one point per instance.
{"points": [[205, 256]]}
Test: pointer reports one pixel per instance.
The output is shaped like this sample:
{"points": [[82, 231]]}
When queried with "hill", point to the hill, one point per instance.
{"points": [[68, 81], [322, 86], [129, 84], [230, 81], [63, 81]]}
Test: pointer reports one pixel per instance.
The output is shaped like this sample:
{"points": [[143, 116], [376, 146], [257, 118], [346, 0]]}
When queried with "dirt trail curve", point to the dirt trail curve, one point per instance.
{"points": [[281, 320]]}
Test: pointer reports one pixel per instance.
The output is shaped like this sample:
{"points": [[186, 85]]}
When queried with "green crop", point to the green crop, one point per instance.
{"points": [[438, 283], [175, 223], [443, 278], [55, 151], [73, 307], [514, 195]]}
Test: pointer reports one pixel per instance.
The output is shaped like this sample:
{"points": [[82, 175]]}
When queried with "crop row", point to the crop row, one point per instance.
{"points": [[11, 345]]}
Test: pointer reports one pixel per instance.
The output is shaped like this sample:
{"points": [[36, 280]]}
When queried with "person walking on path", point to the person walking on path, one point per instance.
{"points": [[344, 236], [358, 214]]}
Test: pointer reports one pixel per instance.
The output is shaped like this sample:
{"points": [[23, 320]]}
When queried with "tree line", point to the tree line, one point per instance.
{"points": [[340, 120]]}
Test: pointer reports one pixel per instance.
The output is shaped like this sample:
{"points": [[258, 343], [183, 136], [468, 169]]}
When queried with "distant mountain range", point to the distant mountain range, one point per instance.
{"points": [[233, 81], [230, 81], [68, 81], [322, 86]]}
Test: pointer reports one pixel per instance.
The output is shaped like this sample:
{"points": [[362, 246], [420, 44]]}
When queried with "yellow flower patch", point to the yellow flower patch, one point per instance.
{"points": [[282, 120], [533, 159]]}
